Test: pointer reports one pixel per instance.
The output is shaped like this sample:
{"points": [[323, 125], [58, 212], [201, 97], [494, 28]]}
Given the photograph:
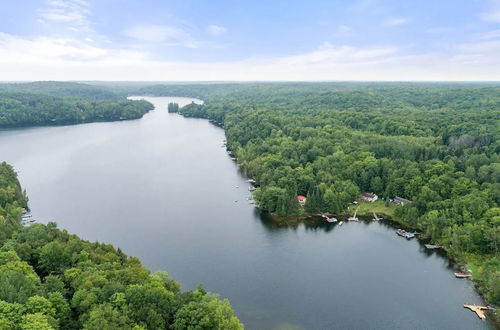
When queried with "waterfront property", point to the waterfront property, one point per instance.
{"points": [[401, 201], [368, 197]]}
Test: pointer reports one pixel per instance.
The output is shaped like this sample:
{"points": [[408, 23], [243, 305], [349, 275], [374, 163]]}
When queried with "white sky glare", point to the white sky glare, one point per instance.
{"points": [[70, 40]]}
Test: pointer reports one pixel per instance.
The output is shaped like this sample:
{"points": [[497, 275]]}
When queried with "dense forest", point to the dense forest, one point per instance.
{"points": [[50, 279], [62, 89], [434, 144], [52, 103]]}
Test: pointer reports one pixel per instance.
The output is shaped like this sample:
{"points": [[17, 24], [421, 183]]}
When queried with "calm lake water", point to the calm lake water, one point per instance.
{"points": [[163, 189]]}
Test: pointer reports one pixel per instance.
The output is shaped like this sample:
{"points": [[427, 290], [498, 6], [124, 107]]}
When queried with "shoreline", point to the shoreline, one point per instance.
{"points": [[388, 215]]}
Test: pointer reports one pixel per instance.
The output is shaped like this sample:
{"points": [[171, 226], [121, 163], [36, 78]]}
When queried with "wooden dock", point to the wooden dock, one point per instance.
{"points": [[478, 310], [354, 218]]}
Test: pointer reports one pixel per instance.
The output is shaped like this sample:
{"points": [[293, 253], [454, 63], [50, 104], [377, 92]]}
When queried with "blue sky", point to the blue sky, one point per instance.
{"points": [[249, 40]]}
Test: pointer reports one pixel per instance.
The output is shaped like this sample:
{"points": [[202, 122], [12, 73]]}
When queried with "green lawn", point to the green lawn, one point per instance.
{"points": [[366, 208]]}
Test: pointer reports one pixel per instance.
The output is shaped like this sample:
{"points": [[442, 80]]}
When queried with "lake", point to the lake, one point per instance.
{"points": [[163, 188]]}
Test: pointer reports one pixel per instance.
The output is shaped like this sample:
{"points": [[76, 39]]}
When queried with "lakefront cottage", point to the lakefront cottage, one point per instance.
{"points": [[369, 197], [401, 201], [302, 200]]}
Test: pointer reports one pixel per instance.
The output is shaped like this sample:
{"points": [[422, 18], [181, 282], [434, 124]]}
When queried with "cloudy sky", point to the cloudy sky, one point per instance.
{"points": [[172, 40]]}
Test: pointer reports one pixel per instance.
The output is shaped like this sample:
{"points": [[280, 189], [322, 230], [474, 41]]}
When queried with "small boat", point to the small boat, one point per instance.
{"points": [[432, 246], [409, 235], [26, 216], [331, 220], [341, 223], [401, 232], [251, 188], [462, 275], [251, 181]]}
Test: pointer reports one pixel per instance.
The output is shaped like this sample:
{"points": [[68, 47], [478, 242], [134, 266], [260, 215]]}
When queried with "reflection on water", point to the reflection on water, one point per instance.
{"points": [[317, 223]]}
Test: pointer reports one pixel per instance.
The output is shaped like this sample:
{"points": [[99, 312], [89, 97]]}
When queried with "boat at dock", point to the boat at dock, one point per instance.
{"points": [[409, 235], [251, 188], [406, 234], [330, 220], [463, 275]]}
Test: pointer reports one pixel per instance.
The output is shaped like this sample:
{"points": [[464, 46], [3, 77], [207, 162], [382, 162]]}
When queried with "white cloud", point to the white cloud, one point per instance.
{"points": [[397, 21], [45, 50], [216, 30], [490, 35], [491, 16], [46, 58], [343, 29], [328, 55], [439, 30], [481, 48], [71, 12], [168, 35]]}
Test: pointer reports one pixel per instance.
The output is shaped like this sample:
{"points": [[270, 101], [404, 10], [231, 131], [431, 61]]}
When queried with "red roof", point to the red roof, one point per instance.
{"points": [[301, 198]]}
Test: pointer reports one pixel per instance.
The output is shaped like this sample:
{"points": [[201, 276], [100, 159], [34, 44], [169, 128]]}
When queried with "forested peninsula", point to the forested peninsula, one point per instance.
{"points": [[434, 144], [55, 103], [50, 279]]}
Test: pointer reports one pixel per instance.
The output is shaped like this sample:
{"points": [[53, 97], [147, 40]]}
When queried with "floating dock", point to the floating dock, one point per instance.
{"points": [[478, 310]]}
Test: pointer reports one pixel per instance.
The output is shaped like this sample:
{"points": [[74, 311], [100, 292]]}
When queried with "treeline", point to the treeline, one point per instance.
{"points": [[62, 89], [173, 107], [50, 279], [437, 145], [22, 109]]}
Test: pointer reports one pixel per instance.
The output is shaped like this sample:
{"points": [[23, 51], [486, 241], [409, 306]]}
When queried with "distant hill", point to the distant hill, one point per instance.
{"points": [[62, 89]]}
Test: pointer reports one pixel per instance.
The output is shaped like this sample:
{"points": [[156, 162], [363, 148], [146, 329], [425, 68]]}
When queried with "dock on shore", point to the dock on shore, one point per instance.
{"points": [[478, 310]]}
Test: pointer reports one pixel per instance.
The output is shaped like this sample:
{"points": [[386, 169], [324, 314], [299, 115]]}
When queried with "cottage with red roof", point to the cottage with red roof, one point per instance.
{"points": [[302, 200]]}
